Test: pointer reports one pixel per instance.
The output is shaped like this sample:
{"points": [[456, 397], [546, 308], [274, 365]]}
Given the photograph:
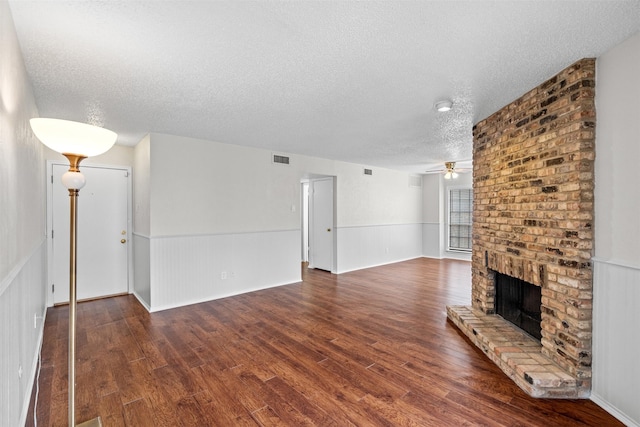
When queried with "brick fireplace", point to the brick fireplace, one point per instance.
{"points": [[532, 220]]}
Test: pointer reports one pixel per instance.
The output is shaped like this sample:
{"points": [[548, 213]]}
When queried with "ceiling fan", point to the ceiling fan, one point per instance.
{"points": [[450, 171]]}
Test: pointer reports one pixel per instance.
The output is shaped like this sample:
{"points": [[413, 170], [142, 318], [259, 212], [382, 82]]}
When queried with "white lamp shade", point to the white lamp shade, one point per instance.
{"points": [[69, 137], [73, 180]]}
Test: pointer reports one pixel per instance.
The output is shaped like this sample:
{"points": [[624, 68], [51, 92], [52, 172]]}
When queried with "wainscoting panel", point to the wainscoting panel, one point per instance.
{"points": [[141, 269], [431, 240], [369, 246], [22, 309], [190, 269], [616, 346]]}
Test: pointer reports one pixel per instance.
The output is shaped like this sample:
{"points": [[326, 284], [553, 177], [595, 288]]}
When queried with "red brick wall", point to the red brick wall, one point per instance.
{"points": [[533, 207]]}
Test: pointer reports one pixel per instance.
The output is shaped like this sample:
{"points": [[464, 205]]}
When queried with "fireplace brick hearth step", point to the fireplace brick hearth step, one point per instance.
{"points": [[517, 354]]}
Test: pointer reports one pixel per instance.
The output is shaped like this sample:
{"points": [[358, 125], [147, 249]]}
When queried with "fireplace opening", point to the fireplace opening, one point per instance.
{"points": [[519, 302]]}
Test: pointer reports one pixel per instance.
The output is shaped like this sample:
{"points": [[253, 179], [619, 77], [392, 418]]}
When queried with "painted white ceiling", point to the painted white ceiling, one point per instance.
{"points": [[345, 80]]}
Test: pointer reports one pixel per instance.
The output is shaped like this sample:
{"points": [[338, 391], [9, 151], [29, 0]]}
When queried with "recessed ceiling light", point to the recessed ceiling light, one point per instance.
{"points": [[443, 106]]}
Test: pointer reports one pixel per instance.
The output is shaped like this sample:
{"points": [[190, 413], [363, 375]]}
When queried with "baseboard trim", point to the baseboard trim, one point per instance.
{"points": [[231, 294], [35, 368], [377, 265], [613, 410], [141, 301]]}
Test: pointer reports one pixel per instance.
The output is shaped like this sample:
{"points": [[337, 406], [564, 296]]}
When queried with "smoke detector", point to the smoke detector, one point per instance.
{"points": [[443, 106]]}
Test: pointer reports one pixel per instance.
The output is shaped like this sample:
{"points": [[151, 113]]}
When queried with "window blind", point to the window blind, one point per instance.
{"points": [[460, 217]]}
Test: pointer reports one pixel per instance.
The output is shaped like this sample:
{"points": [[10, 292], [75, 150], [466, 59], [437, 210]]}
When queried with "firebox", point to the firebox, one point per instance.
{"points": [[519, 302]]}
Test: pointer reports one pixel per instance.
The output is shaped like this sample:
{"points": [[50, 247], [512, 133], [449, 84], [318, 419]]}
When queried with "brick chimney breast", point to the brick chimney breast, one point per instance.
{"points": [[533, 186]]}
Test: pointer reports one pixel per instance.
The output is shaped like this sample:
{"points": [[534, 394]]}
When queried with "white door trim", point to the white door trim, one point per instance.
{"points": [[49, 221]]}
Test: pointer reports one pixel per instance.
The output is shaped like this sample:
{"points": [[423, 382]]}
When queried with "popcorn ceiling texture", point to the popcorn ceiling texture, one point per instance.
{"points": [[345, 80]]}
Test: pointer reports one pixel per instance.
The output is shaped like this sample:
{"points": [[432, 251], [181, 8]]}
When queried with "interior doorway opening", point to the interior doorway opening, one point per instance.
{"points": [[318, 217]]}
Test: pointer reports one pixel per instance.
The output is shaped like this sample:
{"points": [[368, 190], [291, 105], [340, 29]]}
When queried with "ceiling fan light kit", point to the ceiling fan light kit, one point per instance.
{"points": [[450, 170], [450, 175]]}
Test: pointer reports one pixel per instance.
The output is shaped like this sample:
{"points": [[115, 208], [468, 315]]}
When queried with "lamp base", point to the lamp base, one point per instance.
{"points": [[96, 422]]}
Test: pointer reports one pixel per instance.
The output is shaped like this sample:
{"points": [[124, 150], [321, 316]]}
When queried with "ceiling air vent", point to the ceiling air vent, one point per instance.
{"points": [[368, 172], [283, 160]]}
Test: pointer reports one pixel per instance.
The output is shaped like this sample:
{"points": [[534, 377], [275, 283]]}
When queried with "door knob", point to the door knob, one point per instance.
{"points": [[123, 241]]}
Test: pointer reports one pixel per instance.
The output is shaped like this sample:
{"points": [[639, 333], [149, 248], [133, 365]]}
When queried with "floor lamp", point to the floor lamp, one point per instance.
{"points": [[76, 141]]}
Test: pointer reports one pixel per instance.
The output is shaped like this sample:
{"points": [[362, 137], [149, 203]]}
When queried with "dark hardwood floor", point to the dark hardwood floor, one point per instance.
{"points": [[366, 348]]}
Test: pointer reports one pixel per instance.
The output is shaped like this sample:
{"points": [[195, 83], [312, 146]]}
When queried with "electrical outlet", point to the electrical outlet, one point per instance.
{"points": [[223, 275]]}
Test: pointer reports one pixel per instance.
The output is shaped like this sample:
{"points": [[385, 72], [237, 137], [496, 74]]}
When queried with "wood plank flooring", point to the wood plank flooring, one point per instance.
{"points": [[366, 348]]}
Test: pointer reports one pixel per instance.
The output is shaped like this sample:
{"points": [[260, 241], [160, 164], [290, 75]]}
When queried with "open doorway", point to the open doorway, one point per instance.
{"points": [[318, 222]]}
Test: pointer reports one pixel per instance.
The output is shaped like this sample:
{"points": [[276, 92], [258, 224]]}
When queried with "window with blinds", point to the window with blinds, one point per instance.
{"points": [[460, 213]]}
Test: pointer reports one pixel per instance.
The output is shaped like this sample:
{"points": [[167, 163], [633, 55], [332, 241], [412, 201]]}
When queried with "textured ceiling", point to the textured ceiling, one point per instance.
{"points": [[345, 80]]}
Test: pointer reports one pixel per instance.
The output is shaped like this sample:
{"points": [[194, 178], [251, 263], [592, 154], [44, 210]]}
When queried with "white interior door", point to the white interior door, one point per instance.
{"points": [[102, 256], [321, 225]]}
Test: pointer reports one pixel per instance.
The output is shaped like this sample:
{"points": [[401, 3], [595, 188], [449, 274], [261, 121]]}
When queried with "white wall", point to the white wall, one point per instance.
{"points": [[22, 231], [385, 197], [434, 214], [378, 217], [203, 187], [142, 221], [242, 213], [616, 318]]}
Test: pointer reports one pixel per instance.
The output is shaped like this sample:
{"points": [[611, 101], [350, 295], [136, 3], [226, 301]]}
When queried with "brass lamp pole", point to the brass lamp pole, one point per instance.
{"points": [[76, 141], [74, 187]]}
